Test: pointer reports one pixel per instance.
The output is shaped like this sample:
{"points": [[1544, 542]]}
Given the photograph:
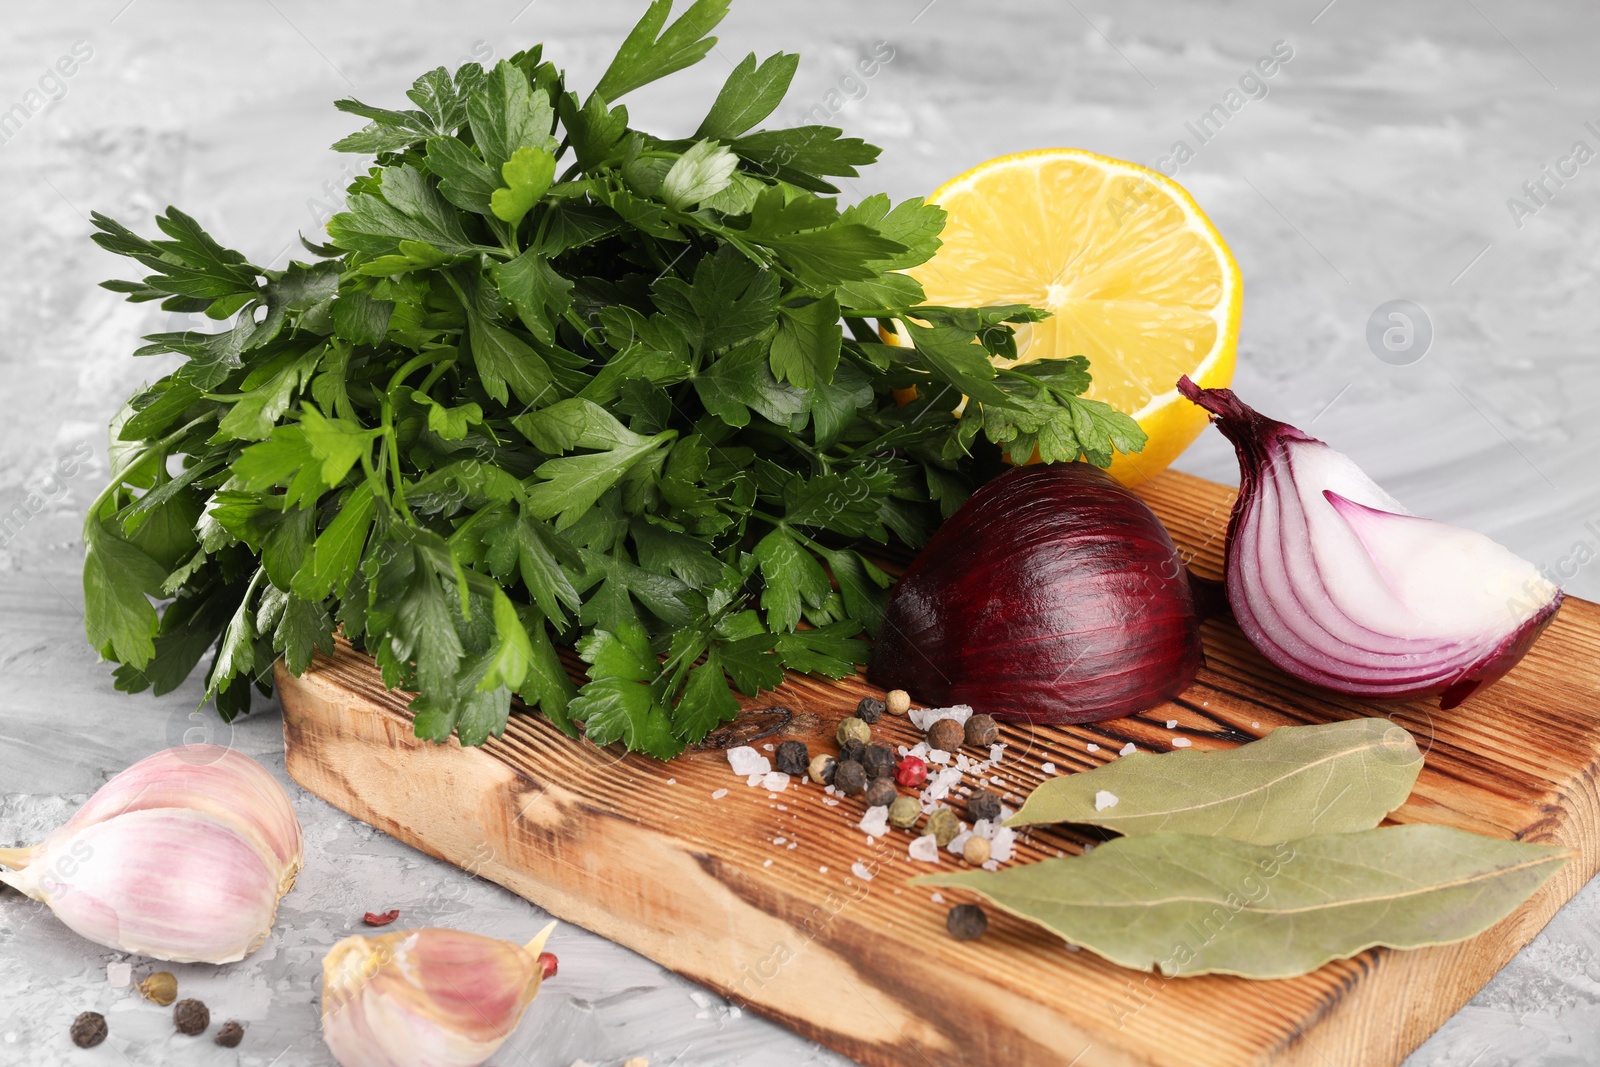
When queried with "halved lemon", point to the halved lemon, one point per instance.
{"points": [[1137, 279]]}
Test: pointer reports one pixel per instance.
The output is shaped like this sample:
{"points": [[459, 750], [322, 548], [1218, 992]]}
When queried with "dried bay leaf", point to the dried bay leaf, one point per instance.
{"points": [[1295, 782], [1190, 904]]}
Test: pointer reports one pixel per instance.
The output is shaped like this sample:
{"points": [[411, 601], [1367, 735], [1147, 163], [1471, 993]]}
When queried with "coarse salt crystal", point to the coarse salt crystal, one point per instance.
{"points": [[958, 842], [767, 863], [938, 756], [766, 748], [1104, 800], [875, 822], [1047, 768], [991, 865], [746, 761], [793, 845], [822, 870], [937, 898], [672, 781], [1092, 747], [754, 780], [997, 752], [919, 750], [832, 803], [924, 849], [922, 718], [777, 781], [1255, 726], [1002, 843], [700, 999], [1181, 742], [1172, 724], [779, 840], [940, 785], [118, 975], [719, 794], [860, 870], [1128, 749]]}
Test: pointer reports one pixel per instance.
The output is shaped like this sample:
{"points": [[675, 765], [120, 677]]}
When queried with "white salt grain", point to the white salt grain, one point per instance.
{"points": [[672, 781], [755, 779], [1047, 768], [1181, 742], [822, 870], [991, 865], [860, 870], [746, 761], [922, 718], [767, 863], [938, 756], [766, 748], [875, 822], [937, 898], [832, 803], [1128, 749], [924, 849], [997, 752], [1172, 724], [719, 794], [777, 781], [1255, 726], [779, 840], [700, 999], [1104, 800], [1002, 844], [1092, 747], [958, 842], [118, 975]]}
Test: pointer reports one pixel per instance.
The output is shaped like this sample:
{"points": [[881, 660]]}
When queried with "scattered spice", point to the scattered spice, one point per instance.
{"points": [[976, 850], [381, 918], [852, 749], [190, 1016], [946, 735], [853, 729], [904, 812], [821, 770], [850, 778], [898, 702], [879, 761], [983, 804], [943, 826], [982, 730], [911, 772], [548, 965], [870, 710], [792, 757], [230, 1034], [160, 987], [880, 793], [88, 1029], [966, 922]]}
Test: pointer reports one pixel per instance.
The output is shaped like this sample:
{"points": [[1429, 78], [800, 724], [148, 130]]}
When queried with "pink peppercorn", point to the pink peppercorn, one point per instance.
{"points": [[911, 773]]}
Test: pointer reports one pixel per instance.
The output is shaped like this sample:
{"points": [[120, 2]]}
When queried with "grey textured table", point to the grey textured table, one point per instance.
{"points": [[1386, 160]]}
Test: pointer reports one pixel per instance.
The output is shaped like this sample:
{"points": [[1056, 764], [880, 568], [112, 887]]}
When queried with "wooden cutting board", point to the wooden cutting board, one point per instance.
{"points": [[754, 894]]}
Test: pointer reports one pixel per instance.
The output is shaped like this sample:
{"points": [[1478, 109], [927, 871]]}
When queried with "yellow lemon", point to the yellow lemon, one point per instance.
{"points": [[1136, 277]]}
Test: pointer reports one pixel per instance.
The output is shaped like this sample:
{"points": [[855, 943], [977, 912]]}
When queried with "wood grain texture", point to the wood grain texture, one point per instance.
{"points": [[641, 852]]}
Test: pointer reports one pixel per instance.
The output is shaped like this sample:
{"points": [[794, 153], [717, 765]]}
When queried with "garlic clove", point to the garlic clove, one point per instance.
{"points": [[426, 998], [168, 883]]}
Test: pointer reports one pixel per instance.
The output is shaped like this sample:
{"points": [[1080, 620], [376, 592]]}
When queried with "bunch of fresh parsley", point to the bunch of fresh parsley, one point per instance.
{"points": [[552, 383]]}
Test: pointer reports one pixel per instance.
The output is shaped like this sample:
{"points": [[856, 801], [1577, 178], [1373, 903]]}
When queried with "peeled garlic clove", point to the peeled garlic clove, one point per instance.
{"points": [[173, 884], [426, 998]]}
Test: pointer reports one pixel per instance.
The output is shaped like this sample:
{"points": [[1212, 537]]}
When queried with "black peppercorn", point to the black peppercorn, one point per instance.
{"points": [[230, 1035], [850, 778], [982, 730], [852, 749], [879, 761], [983, 805], [88, 1029], [190, 1016], [966, 922], [880, 793], [946, 735], [870, 710], [792, 757]]}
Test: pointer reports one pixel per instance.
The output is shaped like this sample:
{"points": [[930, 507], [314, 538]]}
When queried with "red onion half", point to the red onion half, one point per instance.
{"points": [[1339, 585], [1052, 595]]}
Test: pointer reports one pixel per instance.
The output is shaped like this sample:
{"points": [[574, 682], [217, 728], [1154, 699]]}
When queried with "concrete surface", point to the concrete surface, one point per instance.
{"points": [[1378, 166]]}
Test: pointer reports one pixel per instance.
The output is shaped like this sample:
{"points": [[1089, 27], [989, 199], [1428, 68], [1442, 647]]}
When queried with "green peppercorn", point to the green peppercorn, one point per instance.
{"points": [[879, 761], [904, 812], [880, 792], [821, 770], [966, 922], [850, 778], [229, 1035], [943, 825], [88, 1029], [853, 729], [792, 757], [853, 749], [946, 735], [870, 710], [983, 804], [982, 730]]}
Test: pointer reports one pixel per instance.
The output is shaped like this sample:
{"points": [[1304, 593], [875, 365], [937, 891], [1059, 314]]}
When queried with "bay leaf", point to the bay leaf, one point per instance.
{"points": [[1295, 782], [1187, 904]]}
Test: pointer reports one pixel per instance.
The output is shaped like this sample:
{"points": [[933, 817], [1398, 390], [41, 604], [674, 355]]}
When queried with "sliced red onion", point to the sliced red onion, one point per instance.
{"points": [[1335, 582], [1053, 595]]}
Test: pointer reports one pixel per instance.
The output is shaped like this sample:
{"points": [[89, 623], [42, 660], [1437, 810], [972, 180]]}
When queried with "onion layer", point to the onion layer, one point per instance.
{"points": [[1336, 583], [1053, 595]]}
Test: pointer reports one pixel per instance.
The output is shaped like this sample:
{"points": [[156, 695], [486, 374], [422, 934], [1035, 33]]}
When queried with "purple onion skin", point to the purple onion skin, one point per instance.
{"points": [[1054, 595]]}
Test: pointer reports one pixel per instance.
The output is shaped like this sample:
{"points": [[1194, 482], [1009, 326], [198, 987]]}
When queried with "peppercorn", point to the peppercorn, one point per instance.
{"points": [[821, 770], [943, 825], [230, 1035], [190, 1016], [853, 729], [904, 812], [966, 922], [853, 749], [850, 778], [976, 850], [945, 735], [160, 987], [88, 1029], [792, 757], [879, 761], [898, 702], [983, 805], [982, 730], [880, 793], [870, 710], [911, 773]]}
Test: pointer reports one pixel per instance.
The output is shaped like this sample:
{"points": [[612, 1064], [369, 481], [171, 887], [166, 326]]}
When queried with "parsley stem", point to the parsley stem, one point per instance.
{"points": [[138, 457]]}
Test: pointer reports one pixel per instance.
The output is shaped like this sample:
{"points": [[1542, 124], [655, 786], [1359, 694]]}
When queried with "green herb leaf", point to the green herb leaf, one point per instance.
{"points": [[649, 52], [528, 174], [750, 94]]}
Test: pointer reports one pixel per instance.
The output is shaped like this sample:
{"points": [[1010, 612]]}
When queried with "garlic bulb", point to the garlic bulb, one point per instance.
{"points": [[183, 857], [427, 998]]}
